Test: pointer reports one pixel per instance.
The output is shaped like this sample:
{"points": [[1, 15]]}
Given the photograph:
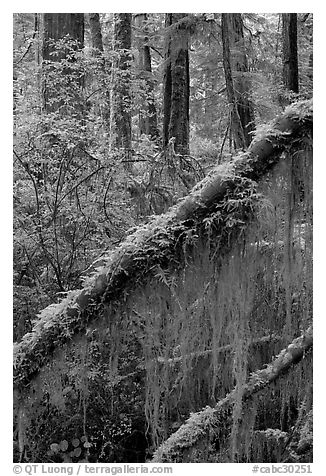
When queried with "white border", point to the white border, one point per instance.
{"points": [[319, 193]]}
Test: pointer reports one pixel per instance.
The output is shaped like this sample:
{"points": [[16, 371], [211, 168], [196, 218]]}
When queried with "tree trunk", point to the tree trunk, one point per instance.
{"points": [[100, 81], [176, 86], [148, 116], [121, 97], [217, 421], [96, 33], [237, 132], [237, 84], [290, 52], [57, 26], [241, 82], [152, 244]]}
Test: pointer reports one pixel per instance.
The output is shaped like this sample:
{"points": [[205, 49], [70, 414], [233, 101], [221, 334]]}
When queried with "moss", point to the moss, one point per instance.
{"points": [[216, 274]]}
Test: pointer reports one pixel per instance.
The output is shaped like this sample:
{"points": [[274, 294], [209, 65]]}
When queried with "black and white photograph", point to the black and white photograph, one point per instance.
{"points": [[162, 240]]}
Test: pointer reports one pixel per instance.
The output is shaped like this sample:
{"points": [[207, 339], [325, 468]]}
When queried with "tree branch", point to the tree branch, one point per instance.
{"points": [[153, 244], [176, 448]]}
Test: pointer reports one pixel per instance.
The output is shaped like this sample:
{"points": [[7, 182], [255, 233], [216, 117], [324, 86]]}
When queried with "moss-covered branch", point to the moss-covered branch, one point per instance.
{"points": [[207, 354], [152, 244], [218, 420]]}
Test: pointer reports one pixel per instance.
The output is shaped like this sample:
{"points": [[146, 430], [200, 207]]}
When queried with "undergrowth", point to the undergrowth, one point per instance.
{"points": [[238, 292]]}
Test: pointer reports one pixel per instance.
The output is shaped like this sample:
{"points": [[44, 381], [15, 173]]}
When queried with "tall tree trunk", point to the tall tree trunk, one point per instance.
{"points": [[57, 26], [290, 52], [148, 117], [121, 97], [176, 87], [241, 82], [237, 85], [96, 33], [100, 81], [237, 131]]}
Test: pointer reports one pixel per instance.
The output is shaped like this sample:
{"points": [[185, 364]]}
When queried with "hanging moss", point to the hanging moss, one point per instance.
{"points": [[217, 421], [178, 316]]}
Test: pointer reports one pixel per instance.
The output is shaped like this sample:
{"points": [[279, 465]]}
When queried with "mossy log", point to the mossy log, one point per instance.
{"points": [[217, 421], [152, 244]]}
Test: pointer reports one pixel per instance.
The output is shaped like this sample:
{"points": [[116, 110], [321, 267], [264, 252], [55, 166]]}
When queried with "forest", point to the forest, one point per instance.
{"points": [[162, 241]]}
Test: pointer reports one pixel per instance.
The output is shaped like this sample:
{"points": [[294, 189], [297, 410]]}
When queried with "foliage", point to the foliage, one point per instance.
{"points": [[184, 312], [143, 345]]}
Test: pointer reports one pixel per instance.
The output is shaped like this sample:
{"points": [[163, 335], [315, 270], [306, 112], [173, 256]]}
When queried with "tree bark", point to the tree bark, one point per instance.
{"points": [[176, 85], [241, 81], [290, 52], [121, 97], [101, 80], [237, 84], [145, 248], [96, 33], [219, 419], [57, 26], [147, 117]]}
